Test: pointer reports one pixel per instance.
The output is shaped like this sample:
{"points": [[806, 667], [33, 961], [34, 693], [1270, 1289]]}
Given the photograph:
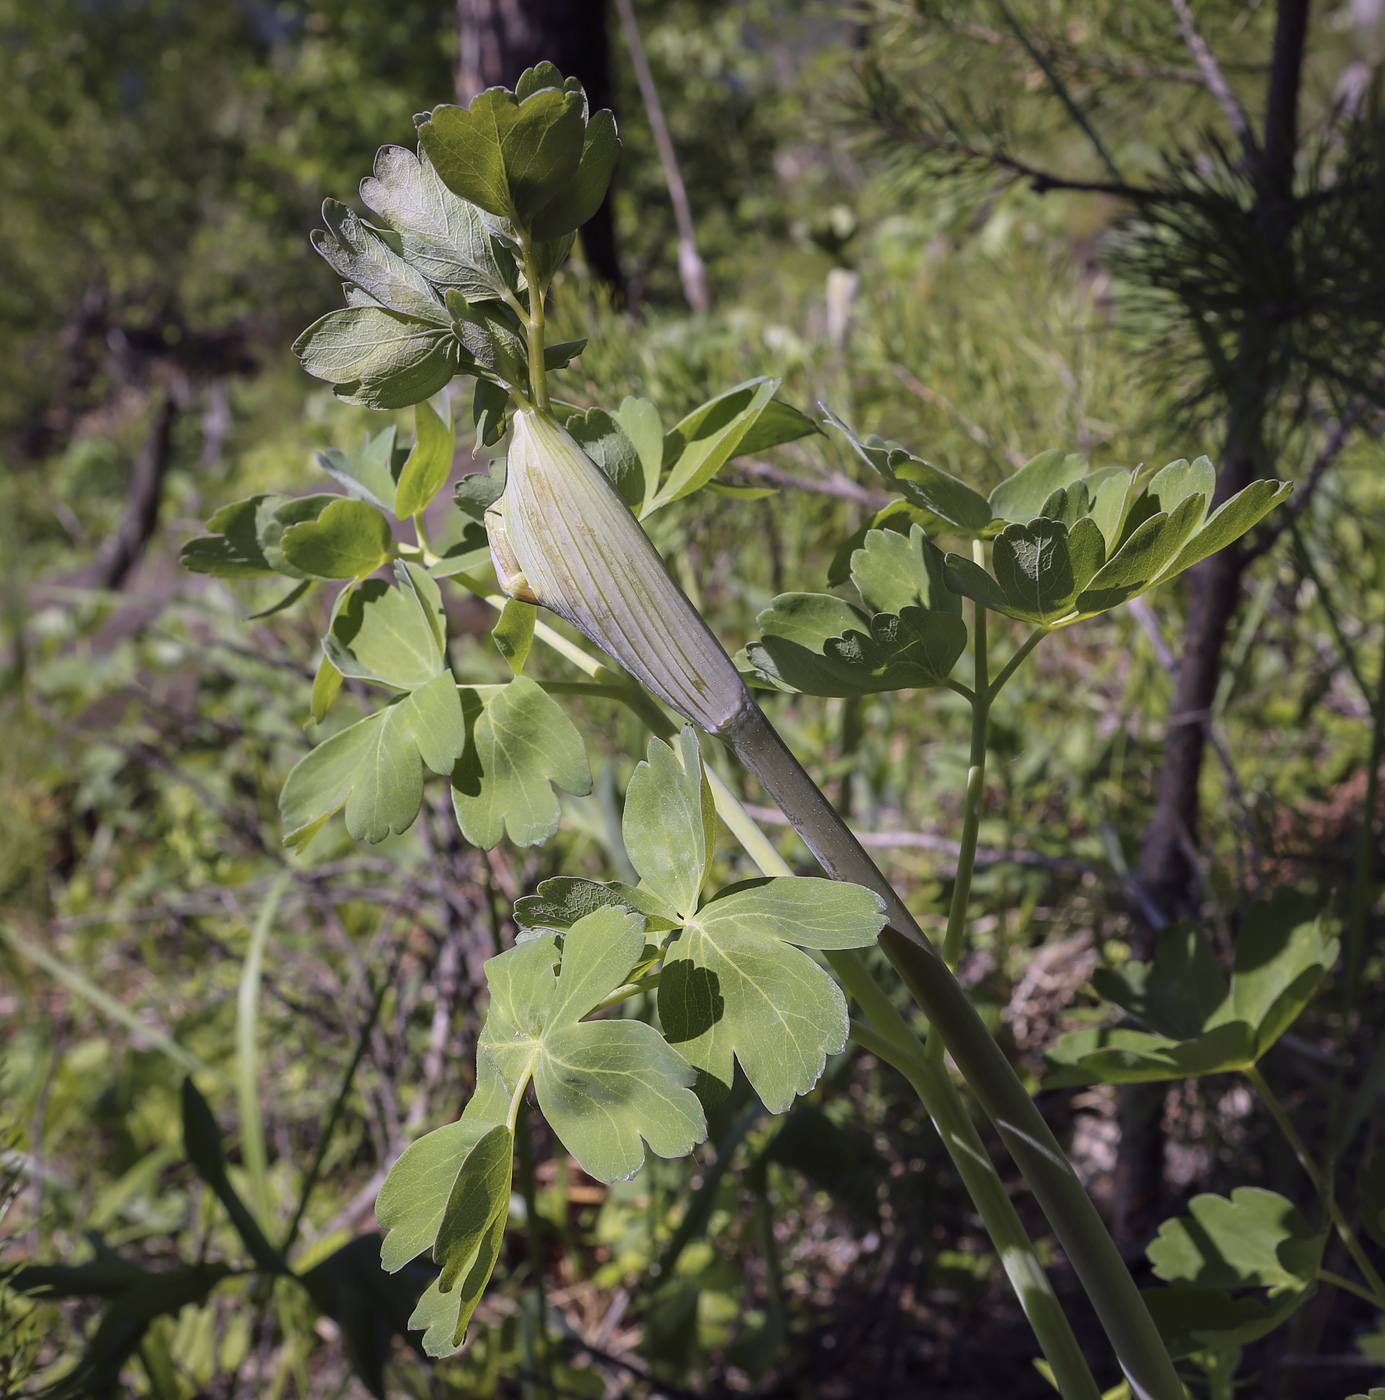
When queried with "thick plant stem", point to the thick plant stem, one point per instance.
{"points": [[988, 1073], [1061, 1196], [891, 1039]]}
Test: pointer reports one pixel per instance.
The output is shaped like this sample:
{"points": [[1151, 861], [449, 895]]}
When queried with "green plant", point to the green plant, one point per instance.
{"points": [[628, 1007]]}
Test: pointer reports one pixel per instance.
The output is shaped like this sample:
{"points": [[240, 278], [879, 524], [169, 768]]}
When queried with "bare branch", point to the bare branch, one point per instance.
{"points": [[1215, 81], [836, 484]]}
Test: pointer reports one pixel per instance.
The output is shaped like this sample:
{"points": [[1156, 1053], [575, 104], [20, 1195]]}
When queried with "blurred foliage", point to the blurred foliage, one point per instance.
{"points": [[162, 168]]}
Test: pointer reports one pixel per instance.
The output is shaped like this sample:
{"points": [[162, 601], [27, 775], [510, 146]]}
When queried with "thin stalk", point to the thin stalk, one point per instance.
{"points": [[1305, 1159], [971, 811], [1337, 1281], [252, 1144], [525, 1152], [534, 326], [1014, 663], [988, 1073]]}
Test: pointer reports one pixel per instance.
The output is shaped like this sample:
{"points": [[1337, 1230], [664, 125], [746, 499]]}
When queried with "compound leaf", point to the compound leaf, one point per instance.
{"points": [[1254, 1239], [732, 984], [1177, 995], [232, 550], [820, 645], [582, 198], [369, 474], [670, 822], [639, 419], [893, 572], [365, 260], [350, 539], [709, 437], [602, 1085], [519, 743], [439, 234], [375, 767], [605, 441], [377, 358], [390, 635], [411, 1202], [1021, 497], [1100, 1054]]}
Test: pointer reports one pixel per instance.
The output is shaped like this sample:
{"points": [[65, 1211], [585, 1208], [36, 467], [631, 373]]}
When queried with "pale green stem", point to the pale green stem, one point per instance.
{"points": [[974, 800], [1337, 1281], [1310, 1167], [1017, 660], [534, 327], [988, 1073]]}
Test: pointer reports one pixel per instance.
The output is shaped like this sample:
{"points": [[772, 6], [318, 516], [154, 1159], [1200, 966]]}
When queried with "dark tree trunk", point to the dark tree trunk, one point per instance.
{"points": [[122, 551], [499, 39], [1167, 867]]}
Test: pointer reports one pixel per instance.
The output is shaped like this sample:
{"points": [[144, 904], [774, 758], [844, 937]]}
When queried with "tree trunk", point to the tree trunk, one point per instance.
{"points": [[123, 550], [1167, 867], [499, 39]]}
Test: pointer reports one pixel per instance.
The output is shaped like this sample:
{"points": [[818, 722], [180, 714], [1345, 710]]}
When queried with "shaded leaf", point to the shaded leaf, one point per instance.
{"points": [[202, 1143], [370, 1307], [1254, 1239], [1191, 1320]]}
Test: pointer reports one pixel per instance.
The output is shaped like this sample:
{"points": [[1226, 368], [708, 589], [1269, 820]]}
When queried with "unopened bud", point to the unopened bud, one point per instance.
{"points": [[562, 536]]}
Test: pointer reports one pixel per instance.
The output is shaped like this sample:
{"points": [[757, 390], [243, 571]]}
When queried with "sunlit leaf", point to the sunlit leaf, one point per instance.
{"points": [[519, 744], [602, 1085]]}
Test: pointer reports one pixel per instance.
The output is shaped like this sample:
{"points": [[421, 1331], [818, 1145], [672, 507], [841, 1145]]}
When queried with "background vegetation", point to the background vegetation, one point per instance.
{"points": [[852, 179]]}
